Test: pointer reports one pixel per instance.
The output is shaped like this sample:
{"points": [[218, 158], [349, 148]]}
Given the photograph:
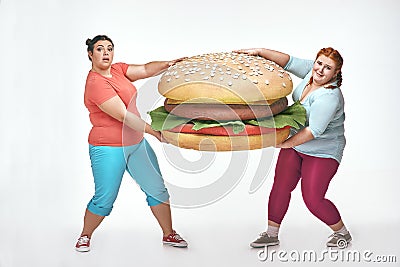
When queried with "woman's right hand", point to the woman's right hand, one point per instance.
{"points": [[151, 131], [249, 51], [162, 139], [278, 57], [159, 136]]}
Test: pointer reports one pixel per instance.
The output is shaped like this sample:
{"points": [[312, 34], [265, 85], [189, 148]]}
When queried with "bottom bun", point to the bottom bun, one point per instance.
{"points": [[225, 143]]}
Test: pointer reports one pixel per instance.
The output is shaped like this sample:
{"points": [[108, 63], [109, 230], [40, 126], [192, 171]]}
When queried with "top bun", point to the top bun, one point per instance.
{"points": [[227, 77]]}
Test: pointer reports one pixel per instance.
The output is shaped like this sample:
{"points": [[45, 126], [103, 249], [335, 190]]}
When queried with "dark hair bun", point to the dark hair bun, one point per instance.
{"points": [[88, 41]]}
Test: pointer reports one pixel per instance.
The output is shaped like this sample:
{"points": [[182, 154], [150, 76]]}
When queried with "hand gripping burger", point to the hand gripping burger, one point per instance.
{"points": [[226, 102]]}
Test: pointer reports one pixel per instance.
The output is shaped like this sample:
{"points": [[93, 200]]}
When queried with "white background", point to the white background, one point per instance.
{"points": [[45, 175]]}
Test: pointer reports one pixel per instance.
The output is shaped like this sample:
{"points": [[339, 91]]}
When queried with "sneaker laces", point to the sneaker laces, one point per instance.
{"points": [[264, 234], [83, 240], [337, 235], [176, 237]]}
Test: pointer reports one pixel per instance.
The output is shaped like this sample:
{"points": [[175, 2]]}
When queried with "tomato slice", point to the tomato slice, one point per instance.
{"points": [[225, 131]]}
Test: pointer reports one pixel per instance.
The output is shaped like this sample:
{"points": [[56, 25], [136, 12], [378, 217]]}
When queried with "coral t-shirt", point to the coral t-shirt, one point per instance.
{"points": [[107, 131]]}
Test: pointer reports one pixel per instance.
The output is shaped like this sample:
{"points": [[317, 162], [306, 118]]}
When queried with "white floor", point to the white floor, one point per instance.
{"points": [[218, 234], [210, 245], [45, 176]]}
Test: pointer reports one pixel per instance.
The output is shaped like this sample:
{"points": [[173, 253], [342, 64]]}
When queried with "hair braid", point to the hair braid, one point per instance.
{"points": [[339, 78]]}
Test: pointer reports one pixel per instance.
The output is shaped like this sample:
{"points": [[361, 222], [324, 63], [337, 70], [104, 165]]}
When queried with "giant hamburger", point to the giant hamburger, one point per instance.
{"points": [[226, 102]]}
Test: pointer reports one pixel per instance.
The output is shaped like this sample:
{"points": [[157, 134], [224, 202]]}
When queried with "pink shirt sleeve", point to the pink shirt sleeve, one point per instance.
{"points": [[99, 90], [121, 67]]}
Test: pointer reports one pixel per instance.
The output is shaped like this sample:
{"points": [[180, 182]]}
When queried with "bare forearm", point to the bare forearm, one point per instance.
{"points": [[301, 137], [278, 57], [116, 109], [134, 122], [150, 130], [156, 67], [150, 69]]}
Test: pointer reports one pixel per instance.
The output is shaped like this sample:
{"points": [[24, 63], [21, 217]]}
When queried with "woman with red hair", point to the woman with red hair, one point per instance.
{"points": [[314, 152]]}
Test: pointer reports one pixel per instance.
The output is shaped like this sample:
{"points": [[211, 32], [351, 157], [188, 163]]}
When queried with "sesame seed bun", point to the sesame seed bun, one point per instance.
{"points": [[227, 77]]}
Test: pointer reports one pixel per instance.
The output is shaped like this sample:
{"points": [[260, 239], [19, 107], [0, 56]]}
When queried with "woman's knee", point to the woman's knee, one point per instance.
{"points": [[283, 187], [98, 208], [154, 200], [102, 202], [312, 201]]}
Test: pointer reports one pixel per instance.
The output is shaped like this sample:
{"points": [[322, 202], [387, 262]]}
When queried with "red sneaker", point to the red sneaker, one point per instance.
{"points": [[83, 244], [174, 240]]}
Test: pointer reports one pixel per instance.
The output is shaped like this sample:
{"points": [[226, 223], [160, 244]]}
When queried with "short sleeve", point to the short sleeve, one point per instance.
{"points": [[121, 67], [98, 91], [299, 67], [322, 112]]}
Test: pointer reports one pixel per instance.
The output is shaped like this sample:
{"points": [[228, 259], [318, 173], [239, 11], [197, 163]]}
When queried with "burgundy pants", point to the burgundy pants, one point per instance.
{"points": [[315, 173]]}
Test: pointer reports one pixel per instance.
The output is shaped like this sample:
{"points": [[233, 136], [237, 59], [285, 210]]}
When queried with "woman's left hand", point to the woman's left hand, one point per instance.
{"points": [[172, 62], [283, 145]]}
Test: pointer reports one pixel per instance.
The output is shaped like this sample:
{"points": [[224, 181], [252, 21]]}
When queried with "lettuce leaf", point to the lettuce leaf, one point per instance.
{"points": [[162, 120], [237, 126], [293, 116]]}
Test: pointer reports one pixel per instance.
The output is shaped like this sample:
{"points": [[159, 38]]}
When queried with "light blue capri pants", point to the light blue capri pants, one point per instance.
{"points": [[108, 166]]}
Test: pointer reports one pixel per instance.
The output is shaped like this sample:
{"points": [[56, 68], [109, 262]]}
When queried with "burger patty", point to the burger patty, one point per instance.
{"points": [[222, 112]]}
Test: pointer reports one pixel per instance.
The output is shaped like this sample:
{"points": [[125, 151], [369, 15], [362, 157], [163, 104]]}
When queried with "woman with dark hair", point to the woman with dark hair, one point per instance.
{"points": [[110, 98], [314, 152]]}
